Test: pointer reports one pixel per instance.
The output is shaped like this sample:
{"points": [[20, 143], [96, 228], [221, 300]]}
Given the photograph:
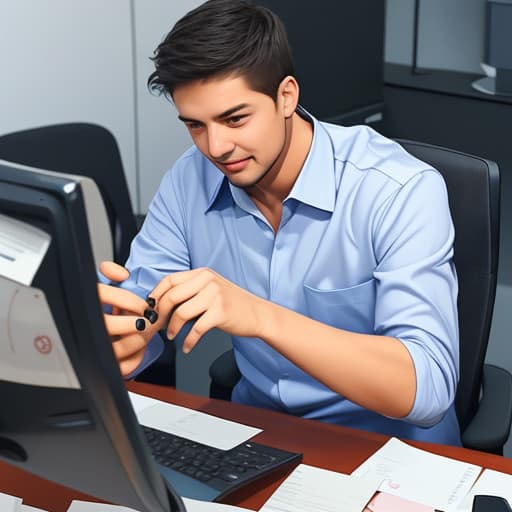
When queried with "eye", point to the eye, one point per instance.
{"points": [[236, 120], [193, 125]]}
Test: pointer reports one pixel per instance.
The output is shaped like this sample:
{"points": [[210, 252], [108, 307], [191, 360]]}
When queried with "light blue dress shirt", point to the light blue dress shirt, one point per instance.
{"points": [[365, 244]]}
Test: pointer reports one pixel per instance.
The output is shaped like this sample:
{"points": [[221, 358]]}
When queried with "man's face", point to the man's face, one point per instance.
{"points": [[241, 131]]}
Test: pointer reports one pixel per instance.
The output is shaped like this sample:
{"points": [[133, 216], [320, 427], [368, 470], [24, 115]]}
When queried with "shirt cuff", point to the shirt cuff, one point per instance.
{"points": [[153, 351]]}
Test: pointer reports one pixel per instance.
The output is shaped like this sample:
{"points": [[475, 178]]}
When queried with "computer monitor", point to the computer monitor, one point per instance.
{"points": [[68, 417], [497, 55]]}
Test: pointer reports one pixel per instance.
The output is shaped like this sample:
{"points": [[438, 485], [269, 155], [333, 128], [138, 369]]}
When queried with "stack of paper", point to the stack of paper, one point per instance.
{"points": [[420, 476]]}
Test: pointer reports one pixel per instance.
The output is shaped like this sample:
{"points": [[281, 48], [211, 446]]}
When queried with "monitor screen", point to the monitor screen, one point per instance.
{"points": [[498, 36], [69, 418]]}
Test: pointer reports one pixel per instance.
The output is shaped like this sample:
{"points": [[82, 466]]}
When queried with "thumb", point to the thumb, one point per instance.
{"points": [[113, 272]]}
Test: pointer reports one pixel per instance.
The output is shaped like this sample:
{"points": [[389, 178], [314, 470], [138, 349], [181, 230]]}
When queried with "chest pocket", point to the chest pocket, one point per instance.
{"points": [[351, 308]]}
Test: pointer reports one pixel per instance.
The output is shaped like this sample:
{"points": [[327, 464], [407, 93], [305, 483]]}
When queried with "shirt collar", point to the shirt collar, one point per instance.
{"points": [[315, 184]]}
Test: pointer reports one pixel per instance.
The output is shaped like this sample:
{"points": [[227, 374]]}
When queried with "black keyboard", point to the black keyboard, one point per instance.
{"points": [[223, 471]]}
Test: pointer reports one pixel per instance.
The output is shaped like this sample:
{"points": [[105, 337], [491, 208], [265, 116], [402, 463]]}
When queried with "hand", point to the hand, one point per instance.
{"points": [[129, 330], [211, 301]]}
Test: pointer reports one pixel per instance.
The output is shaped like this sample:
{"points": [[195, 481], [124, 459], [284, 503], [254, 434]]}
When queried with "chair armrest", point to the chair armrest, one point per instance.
{"points": [[224, 370], [224, 374], [490, 427]]}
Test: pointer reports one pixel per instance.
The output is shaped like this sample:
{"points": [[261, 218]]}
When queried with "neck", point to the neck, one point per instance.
{"points": [[278, 182], [269, 193]]}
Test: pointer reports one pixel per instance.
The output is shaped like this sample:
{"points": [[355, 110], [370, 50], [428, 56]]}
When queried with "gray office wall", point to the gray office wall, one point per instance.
{"points": [[63, 61], [161, 138]]}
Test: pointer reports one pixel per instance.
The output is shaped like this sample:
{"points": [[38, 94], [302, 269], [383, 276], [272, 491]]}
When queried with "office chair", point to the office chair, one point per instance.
{"points": [[484, 394], [90, 150], [85, 149]]}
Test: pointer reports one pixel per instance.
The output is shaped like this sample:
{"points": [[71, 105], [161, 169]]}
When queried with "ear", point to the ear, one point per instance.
{"points": [[288, 95]]}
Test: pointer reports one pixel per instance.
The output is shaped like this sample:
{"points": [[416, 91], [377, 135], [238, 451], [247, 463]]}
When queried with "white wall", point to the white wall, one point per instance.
{"points": [[77, 60], [161, 137], [66, 61]]}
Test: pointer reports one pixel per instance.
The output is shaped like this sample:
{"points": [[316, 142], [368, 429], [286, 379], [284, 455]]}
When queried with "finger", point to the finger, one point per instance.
{"points": [[122, 325], [184, 291], [189, 310], [170, 281], [122, 299], [113, 271], [128, 346], [206, 322], [129, 365]]}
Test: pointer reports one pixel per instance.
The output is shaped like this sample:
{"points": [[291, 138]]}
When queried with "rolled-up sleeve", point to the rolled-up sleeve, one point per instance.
{"points": [[417, 289]]}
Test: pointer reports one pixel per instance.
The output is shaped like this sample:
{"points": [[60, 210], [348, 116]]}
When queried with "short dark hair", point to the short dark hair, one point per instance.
{"points": [[220, 38]]}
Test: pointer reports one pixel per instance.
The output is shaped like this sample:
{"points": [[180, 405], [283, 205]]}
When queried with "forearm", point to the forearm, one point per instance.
{"points": [[373, 371]]}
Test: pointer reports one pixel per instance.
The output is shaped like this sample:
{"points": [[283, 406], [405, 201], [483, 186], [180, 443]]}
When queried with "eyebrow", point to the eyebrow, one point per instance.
{"points": [[220, 116]]}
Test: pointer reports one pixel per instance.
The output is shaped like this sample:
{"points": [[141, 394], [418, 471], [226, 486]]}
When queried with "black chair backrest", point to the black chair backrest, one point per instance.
{"points": [[85, 149], [473, 185]]}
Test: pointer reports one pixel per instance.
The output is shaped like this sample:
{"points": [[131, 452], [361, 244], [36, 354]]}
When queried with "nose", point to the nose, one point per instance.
{"points": [[220, 143]]}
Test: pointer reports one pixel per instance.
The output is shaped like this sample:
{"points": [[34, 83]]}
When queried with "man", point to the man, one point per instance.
{"points": [[324, 251]]}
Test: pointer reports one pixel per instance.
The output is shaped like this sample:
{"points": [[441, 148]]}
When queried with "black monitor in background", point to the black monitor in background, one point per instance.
{"points": [[68, 417], [497, 49], [338, 50]]}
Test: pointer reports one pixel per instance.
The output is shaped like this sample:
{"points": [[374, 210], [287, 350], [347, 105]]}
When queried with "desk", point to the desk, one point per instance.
{"points": [[328, 446]]}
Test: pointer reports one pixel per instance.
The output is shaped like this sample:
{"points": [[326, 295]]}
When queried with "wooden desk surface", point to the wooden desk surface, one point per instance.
{"points": [[328, 446]]}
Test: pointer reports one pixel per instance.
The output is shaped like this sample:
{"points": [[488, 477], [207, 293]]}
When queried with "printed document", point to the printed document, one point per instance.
{"points": [[31, 352], [22, 249], [196, 426], [491, 483], [420, 476], [309, 488]]}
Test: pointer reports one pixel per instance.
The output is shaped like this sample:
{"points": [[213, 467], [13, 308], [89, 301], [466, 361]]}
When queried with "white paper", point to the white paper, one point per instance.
{"points": [[191, 506], [491, 483], [89, 506], [22, 249], [309, 489], [420, 476], [9, 503], [207, 506], [196, 426], [31, 351], [28, 508]]}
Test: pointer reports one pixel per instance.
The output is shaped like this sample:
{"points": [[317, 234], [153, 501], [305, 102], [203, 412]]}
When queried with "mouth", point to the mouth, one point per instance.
{"points": [[235, 165]]}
